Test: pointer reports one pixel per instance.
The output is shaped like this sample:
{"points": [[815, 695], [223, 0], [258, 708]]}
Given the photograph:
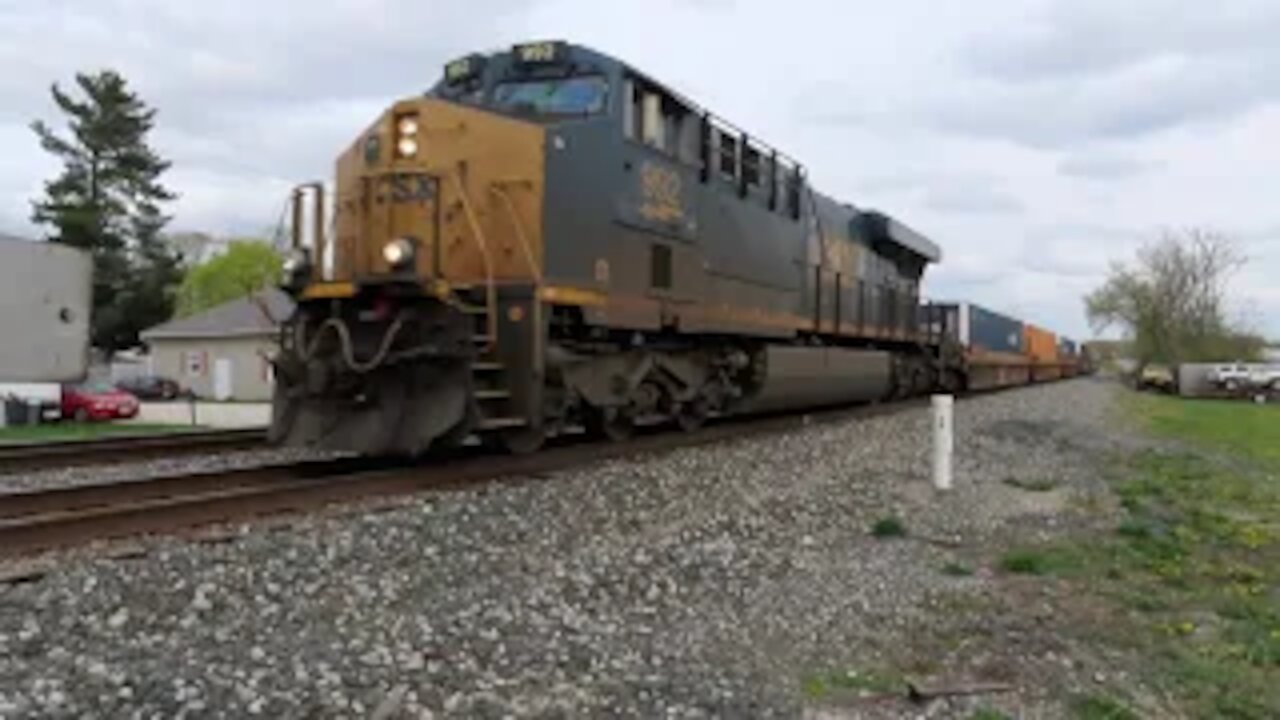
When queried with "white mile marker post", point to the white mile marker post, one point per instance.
{"points": [[943, 441]]}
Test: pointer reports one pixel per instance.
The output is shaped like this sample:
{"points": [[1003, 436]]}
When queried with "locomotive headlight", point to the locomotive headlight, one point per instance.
{"points": [[407, 147], [408, 125], [407, 135], [398, 252]]}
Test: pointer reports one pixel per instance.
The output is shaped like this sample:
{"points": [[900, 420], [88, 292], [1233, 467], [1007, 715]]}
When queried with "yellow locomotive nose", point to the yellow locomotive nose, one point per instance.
{"points": [[438, 192]]}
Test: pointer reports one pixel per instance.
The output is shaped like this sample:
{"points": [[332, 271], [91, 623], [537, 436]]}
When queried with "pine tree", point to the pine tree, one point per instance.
{"points": [[108, 201]]}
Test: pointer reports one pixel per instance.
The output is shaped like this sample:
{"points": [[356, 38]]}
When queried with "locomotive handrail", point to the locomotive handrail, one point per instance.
{"points": [[491, 293], [501, 192]]}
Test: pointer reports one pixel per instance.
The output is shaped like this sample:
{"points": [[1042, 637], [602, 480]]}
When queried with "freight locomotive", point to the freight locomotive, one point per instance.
{"points": [[549, 238]]}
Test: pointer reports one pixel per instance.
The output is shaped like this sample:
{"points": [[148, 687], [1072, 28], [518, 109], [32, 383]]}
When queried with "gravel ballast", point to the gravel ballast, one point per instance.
{"points": [[71, 476], [706, 582]]}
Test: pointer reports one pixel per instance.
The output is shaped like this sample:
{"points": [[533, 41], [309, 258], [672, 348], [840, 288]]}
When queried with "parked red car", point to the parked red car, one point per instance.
{"points": [[97, 401]]}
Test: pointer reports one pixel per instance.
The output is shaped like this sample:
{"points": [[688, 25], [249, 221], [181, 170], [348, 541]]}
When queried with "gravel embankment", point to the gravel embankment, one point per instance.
{"points": [[706, 582]]}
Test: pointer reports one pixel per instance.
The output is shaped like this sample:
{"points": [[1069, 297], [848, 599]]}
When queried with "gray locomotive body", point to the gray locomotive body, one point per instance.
{"points": [[704, 241]]}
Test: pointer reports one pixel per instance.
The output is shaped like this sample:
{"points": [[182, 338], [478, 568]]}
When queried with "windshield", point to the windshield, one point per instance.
{"points": [[97, 387], [584, 95]]}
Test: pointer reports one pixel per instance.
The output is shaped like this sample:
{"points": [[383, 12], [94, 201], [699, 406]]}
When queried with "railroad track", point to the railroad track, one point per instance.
{"points": [[72, 453], [33, 521]]}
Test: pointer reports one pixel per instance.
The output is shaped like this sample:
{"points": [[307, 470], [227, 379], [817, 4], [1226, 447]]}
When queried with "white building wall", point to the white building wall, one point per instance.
{"points": [[191, 362]]}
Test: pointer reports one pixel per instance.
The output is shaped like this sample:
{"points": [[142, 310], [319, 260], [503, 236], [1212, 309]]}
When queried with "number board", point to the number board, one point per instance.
{"points": [[463, 69], [539, 52]]}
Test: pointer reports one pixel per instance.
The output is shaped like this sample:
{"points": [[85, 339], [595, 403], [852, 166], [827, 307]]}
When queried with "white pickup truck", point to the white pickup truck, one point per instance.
{"points": [[1234, 376]]}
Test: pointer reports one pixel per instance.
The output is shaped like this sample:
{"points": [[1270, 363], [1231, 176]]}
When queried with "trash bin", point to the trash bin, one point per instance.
{"points": [[13, 411], [20, 411], [34, 411]]}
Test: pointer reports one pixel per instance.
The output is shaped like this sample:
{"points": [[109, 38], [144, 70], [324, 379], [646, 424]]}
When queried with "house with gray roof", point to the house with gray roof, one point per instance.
{"points": [[222, 353]]}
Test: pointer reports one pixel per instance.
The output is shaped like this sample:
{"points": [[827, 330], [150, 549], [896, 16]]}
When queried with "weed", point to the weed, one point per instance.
{"points": [[814, 687], [1039, 561], [1101, 707], [957, 569], [986, 713], [860, 681], [1025, 562], [1031, 484], [887, 527]]}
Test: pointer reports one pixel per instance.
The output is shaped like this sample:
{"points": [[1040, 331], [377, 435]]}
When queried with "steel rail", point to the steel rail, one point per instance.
{"points": [[27, 457]]}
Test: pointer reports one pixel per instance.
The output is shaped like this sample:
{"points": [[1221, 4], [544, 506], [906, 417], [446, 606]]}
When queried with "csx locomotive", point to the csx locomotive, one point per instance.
{"points": [[549, 238]]}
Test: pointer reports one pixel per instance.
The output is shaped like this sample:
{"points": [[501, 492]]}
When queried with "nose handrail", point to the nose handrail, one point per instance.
{"points": [[499, 190], [491, 292]]}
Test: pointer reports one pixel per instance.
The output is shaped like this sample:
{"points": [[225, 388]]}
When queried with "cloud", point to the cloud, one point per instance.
{"points": [[1075, 39], [1131, 103], [976, 198], [1087, 70], [1104, 166]]}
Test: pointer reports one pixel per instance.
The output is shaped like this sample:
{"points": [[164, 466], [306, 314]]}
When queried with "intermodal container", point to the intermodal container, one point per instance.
{"points": [[983, 329], [1038, 343]]}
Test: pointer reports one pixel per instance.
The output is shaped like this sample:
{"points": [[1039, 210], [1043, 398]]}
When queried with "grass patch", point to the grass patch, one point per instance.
{"points": [[1101, 707], [1195, 558], [854, 681], [66, 431], [1240, 427], [1040, 560], [888, 527], [957, 569], [1031, 484]]}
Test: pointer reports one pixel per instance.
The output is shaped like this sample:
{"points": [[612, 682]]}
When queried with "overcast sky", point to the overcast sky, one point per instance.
{"points": [[1035, 140]]}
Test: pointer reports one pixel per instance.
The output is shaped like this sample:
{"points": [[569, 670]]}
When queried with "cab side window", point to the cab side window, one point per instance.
{"points": [[654, 118], [727, 155]]}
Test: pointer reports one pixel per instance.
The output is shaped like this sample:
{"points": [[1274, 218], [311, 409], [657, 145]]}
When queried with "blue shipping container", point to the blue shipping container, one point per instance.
{"points": [[991, 331]]}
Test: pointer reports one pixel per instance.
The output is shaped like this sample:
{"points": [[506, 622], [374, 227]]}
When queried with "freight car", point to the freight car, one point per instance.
{"points": [[550, 238], [998, 351]]}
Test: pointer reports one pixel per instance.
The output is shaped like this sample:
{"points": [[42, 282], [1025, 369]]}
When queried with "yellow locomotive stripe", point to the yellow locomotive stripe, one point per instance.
{"points": [[573, 296], [326, 290]]}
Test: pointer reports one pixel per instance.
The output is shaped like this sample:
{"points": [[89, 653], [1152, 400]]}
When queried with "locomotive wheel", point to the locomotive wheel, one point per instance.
{"points": [[523, 441], [613, 424]]}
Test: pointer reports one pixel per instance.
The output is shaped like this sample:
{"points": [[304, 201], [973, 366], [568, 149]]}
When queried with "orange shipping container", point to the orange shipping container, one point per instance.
{"points": [[1041, 345]]}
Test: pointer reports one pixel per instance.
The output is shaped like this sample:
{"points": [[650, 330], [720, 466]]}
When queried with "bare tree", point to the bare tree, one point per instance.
{"points": [[1172, 302]]}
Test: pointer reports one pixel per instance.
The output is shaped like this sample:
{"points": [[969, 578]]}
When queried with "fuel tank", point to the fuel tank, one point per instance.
{"points": [[795, 377]]}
